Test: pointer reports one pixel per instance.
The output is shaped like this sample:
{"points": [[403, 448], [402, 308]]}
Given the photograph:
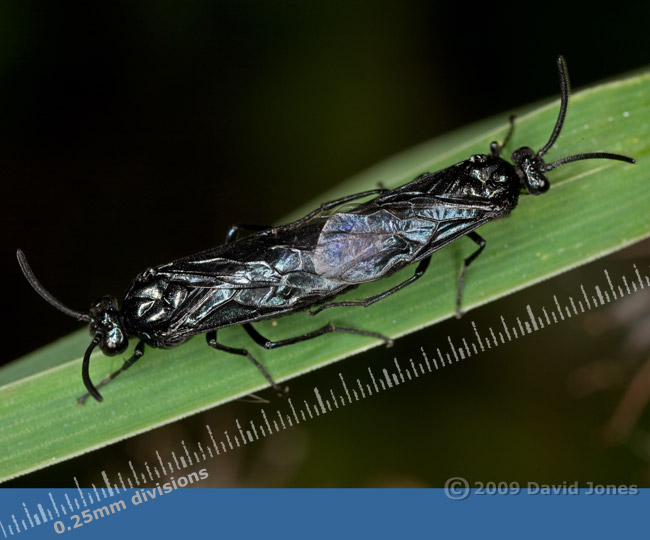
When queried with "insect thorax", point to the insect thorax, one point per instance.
{"points": [[490, 178]]}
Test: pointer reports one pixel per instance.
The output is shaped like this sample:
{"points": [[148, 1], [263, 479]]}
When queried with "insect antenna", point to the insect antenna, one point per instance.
{"points": [[564, 101], [85, 370], [590, 155], [47, 296]]}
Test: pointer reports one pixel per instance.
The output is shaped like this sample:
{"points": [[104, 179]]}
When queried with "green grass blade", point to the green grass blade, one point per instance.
{"points": [[592, 209]]}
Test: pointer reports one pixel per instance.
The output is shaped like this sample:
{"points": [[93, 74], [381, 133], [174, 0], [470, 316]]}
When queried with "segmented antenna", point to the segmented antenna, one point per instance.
{"points": [[564, 101], [85, 370], [31, 278], [564, 97], [590, 155]]}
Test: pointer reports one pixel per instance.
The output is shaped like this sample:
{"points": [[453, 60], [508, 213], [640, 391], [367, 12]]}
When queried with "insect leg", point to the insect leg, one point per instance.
{"points": [[211, 338], [232, 233], [419, 272], [495, 147], [268, 344], [481, 245], [326, 206], [137, 354]]}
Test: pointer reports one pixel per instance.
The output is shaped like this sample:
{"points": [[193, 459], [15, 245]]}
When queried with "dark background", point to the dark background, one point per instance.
{"points": [[133, 133]]}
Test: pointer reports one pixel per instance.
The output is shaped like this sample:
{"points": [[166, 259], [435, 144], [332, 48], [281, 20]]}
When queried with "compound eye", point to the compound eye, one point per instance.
{"points": [[543, 185], [115, 342]]}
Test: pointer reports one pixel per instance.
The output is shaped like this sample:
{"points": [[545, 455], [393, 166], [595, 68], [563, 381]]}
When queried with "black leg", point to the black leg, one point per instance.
{"points": [[268, 344], [327, 206], [419, 272], [232, 233], [137, 354], [211, 338], [495, 147], [481, 245]]}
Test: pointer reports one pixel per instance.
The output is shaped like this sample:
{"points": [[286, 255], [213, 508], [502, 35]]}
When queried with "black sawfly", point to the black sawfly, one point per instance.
{"points": [[302, 266]]}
